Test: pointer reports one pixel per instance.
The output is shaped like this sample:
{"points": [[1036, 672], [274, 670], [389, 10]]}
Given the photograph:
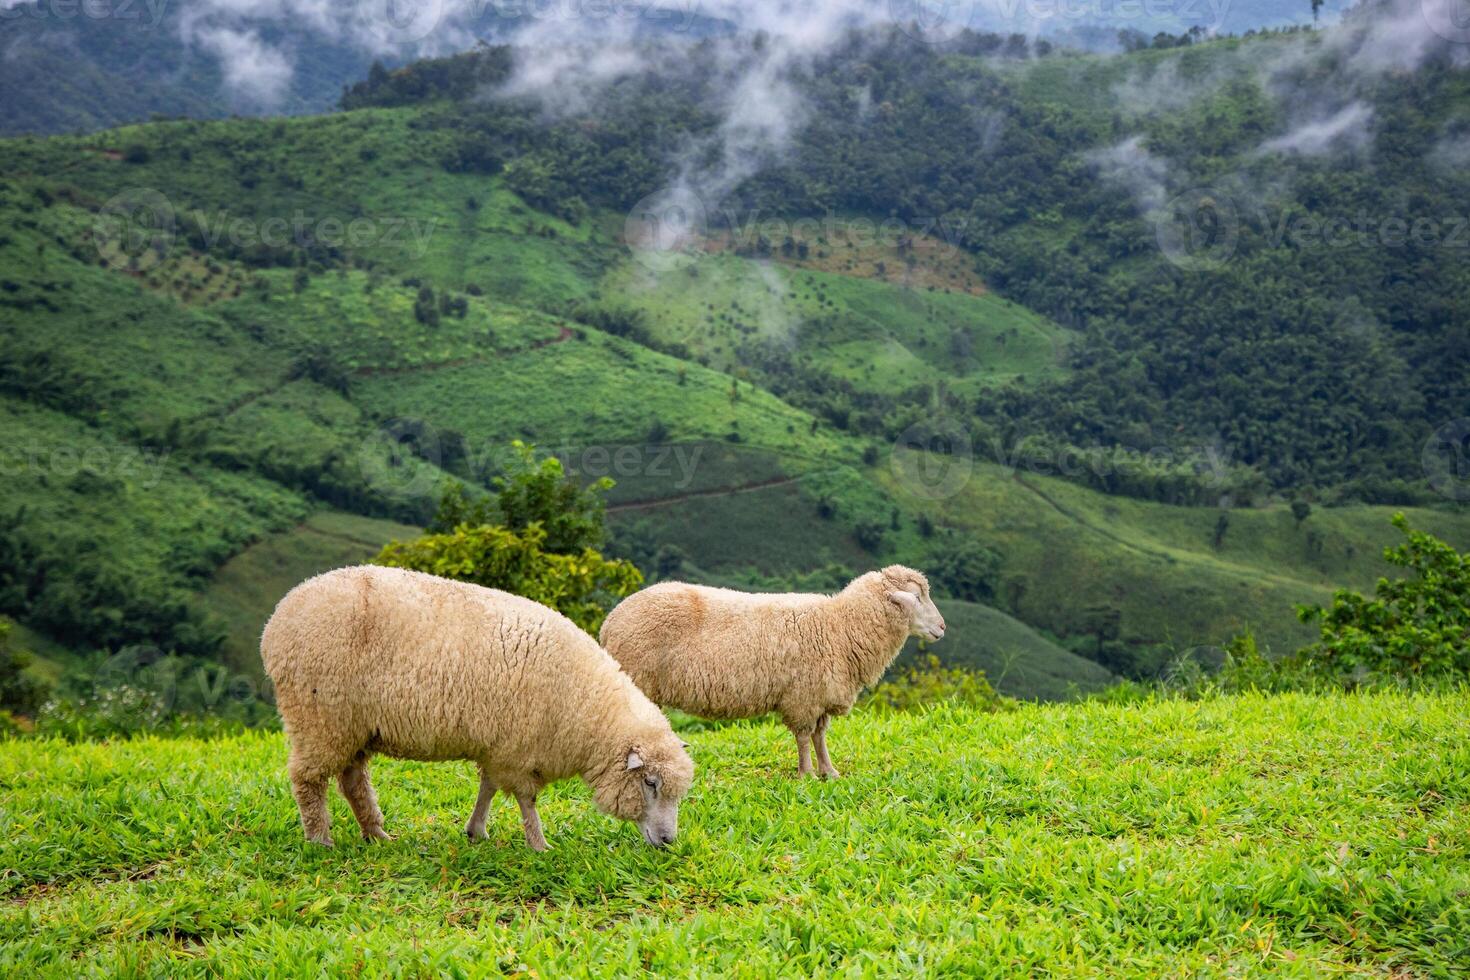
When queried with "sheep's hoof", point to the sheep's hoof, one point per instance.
{"points": [[804, 774], [538, 845], [831, 774], [377, 833], [325, 840], [476, 833]]}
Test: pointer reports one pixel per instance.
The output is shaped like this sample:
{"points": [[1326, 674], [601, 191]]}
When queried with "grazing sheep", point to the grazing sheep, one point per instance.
{"points": [[724, 654], [372, 660]]}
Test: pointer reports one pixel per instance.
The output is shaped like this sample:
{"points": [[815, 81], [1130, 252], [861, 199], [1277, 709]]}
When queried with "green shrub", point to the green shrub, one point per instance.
{"points": [[583, 587], [1415, 627], [930, 682]]}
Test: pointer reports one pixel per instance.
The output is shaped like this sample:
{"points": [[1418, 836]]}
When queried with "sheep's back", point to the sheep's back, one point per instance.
{"points": [[426, 667], [712, 652]]}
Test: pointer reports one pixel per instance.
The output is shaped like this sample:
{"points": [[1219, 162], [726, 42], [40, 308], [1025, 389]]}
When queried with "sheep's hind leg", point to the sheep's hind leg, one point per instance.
{"points": [[357, 787], [475, 829], [309, 785], [803, 754], [824, 762], [531, 821]]}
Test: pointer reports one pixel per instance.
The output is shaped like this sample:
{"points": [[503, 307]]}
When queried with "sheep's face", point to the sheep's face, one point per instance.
{"points": [[647, 785], [909, 590]]}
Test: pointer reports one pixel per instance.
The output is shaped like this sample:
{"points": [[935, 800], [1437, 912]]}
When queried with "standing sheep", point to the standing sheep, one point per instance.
{"points": [[368, 660], [724, 654]]}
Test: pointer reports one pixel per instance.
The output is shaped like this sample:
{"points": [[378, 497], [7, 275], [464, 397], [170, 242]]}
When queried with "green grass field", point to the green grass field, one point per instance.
{"points": [[1293, 834]]}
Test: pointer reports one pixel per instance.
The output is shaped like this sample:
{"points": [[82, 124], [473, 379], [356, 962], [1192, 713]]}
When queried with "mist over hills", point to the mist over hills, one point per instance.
{"points": [[71, 67]]}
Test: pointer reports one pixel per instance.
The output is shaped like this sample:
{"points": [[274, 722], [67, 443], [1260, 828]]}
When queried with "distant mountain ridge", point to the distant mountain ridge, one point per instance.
{"points": [[65, 70], [72, 68]]}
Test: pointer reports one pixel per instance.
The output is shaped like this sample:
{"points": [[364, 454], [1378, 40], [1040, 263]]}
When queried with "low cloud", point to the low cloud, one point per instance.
{"points": [[1344, 130], [253, 70], [1129, 164]]}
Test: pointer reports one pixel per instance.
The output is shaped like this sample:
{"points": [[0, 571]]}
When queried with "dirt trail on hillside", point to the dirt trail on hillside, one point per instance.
{"points": [[1225, 564], [1076, 518], [780, 481]]}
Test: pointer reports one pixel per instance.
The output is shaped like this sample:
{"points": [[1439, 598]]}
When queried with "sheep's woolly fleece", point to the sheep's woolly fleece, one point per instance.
{"points": [[368, 659], [719, 653]]}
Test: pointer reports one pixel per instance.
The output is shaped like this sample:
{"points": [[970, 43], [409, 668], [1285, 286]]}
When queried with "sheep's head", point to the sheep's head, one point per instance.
{"points": [[909, 590], [646, 783]]}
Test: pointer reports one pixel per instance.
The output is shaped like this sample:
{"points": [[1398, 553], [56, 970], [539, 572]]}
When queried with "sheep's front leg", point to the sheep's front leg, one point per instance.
{"points": [[475, 829], [531, 821], [824, 762], [803, 754]]}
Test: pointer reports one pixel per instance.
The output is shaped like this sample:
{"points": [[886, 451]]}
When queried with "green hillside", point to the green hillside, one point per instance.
{"points": [[245, 330], [1293, 834], [724, 309], [244, 591]]}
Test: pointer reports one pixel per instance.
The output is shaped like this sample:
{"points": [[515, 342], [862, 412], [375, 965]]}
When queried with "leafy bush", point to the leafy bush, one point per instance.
{"points": [[930, 682], [1414, 627], [583, 586], [142, 690], [128, 712], [457, 506], [539, 492]]}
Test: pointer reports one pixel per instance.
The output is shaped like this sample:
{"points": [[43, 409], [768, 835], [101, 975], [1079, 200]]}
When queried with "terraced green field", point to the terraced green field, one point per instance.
{"points": [[1293, 835], [877, 335]]}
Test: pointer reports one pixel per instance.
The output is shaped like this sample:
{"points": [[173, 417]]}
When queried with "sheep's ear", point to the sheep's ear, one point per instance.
{"points": [[635, 761], [684, 745], [907, 600]]}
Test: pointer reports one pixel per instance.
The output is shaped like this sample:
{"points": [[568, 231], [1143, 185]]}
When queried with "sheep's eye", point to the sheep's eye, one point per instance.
{"points": [[651, 783]]}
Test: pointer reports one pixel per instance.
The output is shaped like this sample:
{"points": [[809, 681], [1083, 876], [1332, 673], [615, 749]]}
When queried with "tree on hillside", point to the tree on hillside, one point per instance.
{"points": [[539, 491], [533, 491], [964, 568], [1413, 627]]}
